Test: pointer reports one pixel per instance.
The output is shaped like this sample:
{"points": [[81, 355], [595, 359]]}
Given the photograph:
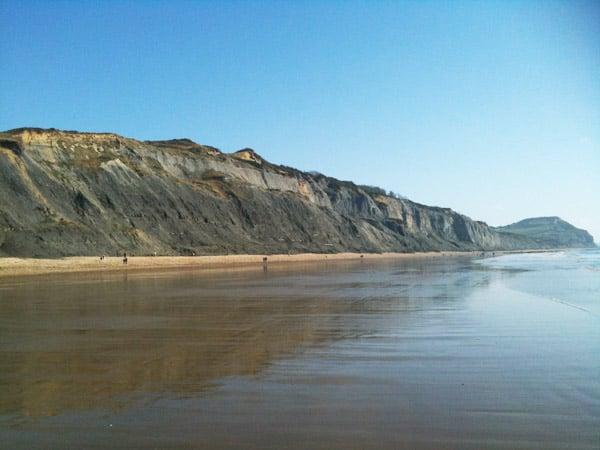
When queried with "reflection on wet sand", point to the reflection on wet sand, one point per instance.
{"points": [[77, 342], [429, 354]]}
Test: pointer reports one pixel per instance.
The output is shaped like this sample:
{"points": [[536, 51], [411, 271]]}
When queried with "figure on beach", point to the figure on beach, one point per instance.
{"points": [[124, 258]]}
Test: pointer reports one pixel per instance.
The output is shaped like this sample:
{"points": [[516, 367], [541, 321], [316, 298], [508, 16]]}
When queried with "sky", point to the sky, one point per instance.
{"points": [[489, 107]]}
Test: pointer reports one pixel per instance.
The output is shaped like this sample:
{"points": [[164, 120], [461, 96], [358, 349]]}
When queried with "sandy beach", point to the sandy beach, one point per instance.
{"points": [[34, 266], [410, 352]]}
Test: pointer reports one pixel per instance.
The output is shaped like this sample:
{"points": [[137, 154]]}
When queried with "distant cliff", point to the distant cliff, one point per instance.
{"points": [[70, 193], [551, 231]]}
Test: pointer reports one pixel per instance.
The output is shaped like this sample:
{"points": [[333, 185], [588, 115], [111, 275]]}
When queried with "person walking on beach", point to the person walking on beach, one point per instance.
{"points": [[124, 258]]}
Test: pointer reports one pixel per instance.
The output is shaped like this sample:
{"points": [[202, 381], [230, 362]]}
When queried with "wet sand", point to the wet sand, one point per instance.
{"points": [[426, 353]]}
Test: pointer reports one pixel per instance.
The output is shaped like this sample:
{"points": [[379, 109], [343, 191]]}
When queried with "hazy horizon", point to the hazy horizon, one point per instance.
{"points": [[492, 109]]}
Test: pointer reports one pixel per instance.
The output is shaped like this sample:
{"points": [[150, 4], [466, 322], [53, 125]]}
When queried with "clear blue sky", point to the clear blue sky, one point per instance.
{"points": [[491, 108]]}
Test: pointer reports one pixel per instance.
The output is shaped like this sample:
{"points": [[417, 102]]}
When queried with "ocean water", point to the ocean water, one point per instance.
{"points": [[439, 353], [571, 277]]}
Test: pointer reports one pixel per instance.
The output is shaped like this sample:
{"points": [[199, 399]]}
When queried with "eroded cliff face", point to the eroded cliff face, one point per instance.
{"points": [[68, 193]]}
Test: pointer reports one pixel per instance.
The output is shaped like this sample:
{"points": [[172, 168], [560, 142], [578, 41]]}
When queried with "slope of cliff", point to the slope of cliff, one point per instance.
{"points": [[551, 231], [69, 193]]}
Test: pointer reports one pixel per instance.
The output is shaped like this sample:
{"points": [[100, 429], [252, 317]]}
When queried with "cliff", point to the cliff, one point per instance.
{"points": [[552, 231], [70, 193]]}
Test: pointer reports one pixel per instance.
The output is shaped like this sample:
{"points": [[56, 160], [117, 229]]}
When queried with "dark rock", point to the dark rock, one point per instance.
{"points": [[14, 146]]}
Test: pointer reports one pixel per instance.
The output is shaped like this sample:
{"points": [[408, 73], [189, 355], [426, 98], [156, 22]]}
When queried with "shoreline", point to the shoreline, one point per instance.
{"points": [[13, 267]]}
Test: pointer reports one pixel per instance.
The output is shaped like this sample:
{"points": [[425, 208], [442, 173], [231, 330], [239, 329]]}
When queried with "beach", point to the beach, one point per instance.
{"points": [[38, 266], [34, 266], [399, 353]]}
